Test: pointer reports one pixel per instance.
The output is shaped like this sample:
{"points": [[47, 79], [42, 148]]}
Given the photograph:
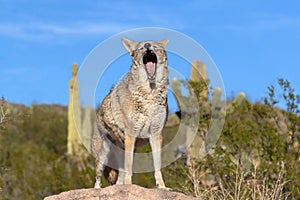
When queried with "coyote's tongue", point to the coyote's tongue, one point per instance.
{"points": [[151, 68]]}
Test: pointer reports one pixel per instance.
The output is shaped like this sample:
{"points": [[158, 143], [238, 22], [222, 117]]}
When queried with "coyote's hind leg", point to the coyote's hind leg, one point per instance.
{"points": [[99, 165], [99, 170], [101, 153]]}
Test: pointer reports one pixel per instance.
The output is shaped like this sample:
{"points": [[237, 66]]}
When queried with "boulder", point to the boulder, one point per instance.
{"points": [[120, 192]]}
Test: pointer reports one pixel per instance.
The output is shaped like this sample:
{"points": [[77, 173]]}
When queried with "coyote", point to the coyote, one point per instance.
{"points": [[133, 112]]}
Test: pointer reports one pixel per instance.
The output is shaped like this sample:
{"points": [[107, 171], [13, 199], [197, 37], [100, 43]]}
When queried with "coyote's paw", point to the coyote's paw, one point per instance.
{"points": [[165, 188], [97, 185]]}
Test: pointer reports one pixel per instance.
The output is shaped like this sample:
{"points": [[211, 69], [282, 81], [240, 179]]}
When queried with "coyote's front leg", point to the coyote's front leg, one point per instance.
{"points": [[129, 148], [156, 144]]}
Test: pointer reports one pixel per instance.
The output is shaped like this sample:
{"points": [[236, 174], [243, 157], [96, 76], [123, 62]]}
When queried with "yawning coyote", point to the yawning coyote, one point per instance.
{"points": [[135, 110]]}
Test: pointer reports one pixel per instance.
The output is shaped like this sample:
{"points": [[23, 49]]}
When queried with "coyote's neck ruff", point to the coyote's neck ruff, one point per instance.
{"points": [[135, 108]]}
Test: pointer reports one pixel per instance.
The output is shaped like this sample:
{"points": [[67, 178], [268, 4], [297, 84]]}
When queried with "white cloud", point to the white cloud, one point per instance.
{"points": [[258, 25], [103, 18], [44, 31], [19, 31], [84, 28]]}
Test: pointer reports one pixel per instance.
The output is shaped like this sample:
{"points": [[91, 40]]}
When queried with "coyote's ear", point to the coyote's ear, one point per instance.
{"points": [[129, 45], [164, 43]]}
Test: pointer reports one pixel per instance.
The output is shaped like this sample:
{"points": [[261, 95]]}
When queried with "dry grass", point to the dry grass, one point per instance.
{"points": [[247, 186]]}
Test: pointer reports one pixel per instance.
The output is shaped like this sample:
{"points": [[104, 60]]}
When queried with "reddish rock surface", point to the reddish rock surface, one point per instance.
{"points": [[120, 192]]}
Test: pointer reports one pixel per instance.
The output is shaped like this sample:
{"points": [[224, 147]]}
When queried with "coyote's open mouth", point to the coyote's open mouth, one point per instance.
{"points": [[150, 61]]}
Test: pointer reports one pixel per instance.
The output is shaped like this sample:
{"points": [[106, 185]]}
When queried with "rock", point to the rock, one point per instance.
{"points": [[120, 192]]}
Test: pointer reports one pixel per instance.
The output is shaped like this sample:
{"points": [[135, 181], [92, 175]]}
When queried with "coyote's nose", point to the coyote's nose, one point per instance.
{"points": [[147, 45]]}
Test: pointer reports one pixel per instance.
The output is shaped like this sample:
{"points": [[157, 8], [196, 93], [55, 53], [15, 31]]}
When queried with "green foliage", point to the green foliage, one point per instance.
{"points": [[292, 121], [32, 155], [291, 99], [271, 99], [259, 147], [249, 161]]}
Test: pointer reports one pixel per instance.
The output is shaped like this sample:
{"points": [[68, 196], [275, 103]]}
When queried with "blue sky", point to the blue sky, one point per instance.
{"points": [[252, 43]]}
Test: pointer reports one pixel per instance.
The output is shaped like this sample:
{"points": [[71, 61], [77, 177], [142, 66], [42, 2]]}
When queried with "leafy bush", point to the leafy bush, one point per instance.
{"points": [[32, 148]]}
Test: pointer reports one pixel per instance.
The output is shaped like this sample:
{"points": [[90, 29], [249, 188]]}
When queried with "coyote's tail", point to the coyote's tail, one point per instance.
{"points": [[111, 175]]}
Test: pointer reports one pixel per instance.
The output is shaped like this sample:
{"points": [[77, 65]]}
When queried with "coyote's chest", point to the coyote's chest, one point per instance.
{"points": [[143, 102], [142, 110], [149, 111]]}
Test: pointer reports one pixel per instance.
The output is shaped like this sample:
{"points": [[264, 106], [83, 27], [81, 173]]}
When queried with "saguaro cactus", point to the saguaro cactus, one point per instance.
{"points": [[87, 129], [199, 82], [74, 115], [198, 74]]}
